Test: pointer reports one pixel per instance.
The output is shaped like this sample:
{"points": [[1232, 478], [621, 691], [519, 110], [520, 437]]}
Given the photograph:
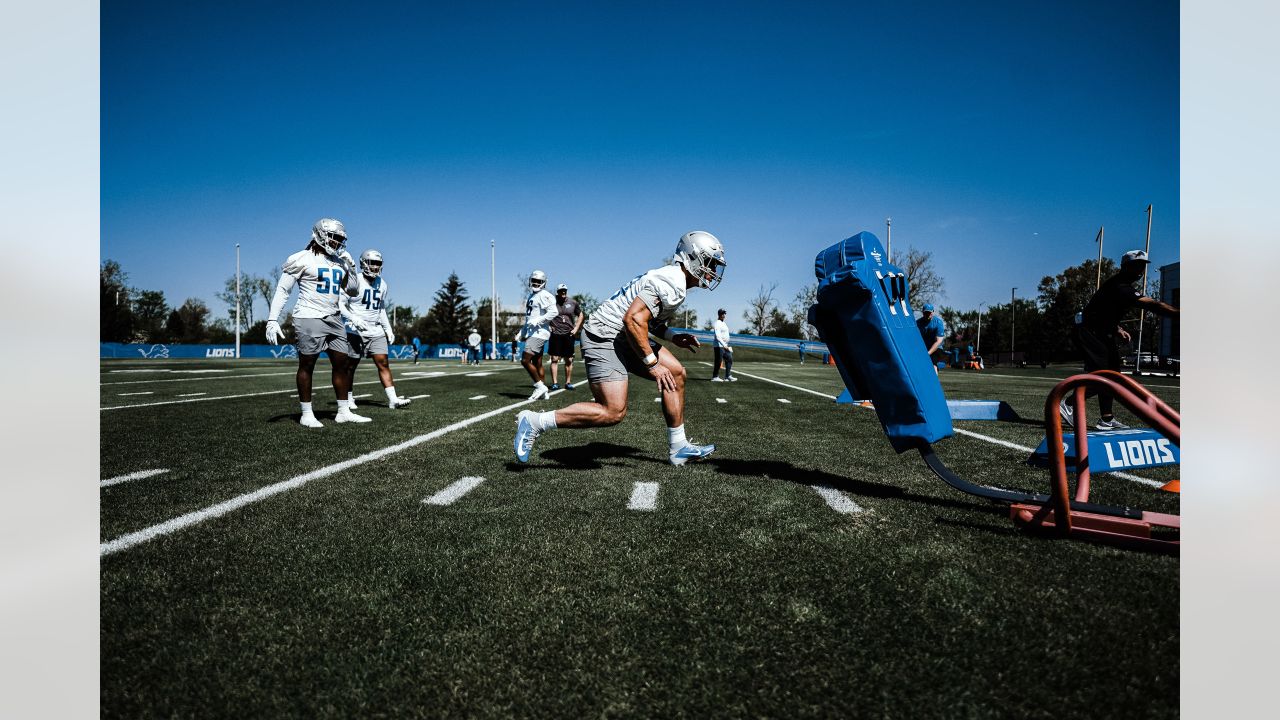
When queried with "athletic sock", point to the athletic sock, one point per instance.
{"points": [[544, 421], [306, 408], [342, 406], [350, 396], [391, 394], [675, 437]]}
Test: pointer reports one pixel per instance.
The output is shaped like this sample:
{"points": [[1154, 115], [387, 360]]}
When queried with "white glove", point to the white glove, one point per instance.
{"points": [[520, 335], [358, 325], [391, 337], [274, 334]]}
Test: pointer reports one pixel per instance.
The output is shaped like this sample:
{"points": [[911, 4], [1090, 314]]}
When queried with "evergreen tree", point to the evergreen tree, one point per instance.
{"points": [[115, 304], [150, 311], [450, 317]]}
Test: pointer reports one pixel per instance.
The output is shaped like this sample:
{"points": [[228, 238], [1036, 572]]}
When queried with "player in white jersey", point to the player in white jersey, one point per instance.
{"points": [[323, 272], [539, 309], [368, 330], [615, 342]]}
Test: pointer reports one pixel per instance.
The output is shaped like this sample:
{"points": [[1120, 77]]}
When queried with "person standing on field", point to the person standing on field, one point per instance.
{"points": [[723, 352], [564, 330]]}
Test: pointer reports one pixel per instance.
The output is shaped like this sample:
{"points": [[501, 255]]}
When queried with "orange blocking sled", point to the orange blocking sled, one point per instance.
{"points": [[1135, 528]]}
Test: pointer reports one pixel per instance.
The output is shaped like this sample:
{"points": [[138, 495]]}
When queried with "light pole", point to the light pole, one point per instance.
{"points": [[1098, 284], [978, 347], [493, 302], [1013, 322], [1137, 363], [237, 301], [888, 239]]}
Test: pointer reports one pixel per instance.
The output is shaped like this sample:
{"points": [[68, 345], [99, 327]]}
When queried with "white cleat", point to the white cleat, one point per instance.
{"points": [[731, 379], [540, 391], [690, 452], [717, 378], [346, 416], [310, 421], [525, 435], [1068, 415], [398, 402]]}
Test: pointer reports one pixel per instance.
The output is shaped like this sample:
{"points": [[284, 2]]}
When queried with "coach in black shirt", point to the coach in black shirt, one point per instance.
{"points": [[1101, 324]]}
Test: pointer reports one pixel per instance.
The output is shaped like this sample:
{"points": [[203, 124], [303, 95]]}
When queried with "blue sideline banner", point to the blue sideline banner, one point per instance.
{"points": [[161, 351]]}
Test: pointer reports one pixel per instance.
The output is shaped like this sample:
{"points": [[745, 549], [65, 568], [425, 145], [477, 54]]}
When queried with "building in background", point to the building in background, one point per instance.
{"points": [[1169, 333]]}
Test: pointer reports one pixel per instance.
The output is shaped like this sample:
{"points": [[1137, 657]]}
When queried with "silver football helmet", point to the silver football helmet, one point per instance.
{"points": [[329, 234], [371, 263], [702, 256], [537, 280]]}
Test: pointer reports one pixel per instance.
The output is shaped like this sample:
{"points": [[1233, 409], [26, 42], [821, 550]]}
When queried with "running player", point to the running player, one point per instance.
{"points": [[322, 272], [615, 341], [368, 330]]}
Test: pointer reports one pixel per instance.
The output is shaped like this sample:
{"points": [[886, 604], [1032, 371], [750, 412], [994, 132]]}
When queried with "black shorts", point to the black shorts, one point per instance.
{"points": [[1100, 349], [561, 346]]}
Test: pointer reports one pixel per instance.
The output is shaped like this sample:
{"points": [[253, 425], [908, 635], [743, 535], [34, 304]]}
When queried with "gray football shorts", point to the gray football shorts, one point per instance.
{"points": [[534, 345], [365, 347], [315, 335], [609, 360]]}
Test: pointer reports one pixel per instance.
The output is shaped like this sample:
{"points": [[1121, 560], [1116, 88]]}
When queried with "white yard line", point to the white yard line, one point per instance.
{"points": [[970, 433], [267, 392], [135, 393], [480, 374], [418, 397], [478, 397], [784, 401], [131, 476], [192, 394], [644, 496], [198, 379], [721, 400], [837, 500], [124, 542], [450, 494]]}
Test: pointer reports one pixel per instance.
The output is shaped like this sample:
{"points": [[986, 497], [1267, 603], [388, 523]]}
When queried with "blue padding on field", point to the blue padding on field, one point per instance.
{"points": [[981, 410], [863, 316], [1116, 450], [161, 351]]}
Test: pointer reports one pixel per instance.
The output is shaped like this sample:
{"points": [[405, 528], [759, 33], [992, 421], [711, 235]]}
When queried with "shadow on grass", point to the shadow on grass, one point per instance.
{"points": [[587, 457], [295, 417], [780, 470], [514, 396]]}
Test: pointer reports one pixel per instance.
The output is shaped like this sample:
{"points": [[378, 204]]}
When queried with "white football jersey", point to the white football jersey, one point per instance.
{"points": [[473, 339], [369, 306], [661, 289], [539, 309], [320, 281]]}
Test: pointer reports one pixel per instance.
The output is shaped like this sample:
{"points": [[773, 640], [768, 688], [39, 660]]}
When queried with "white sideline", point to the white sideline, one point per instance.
{"points": [[196, 379], [268, 392], [450, 494], [970, 433], [135, 393], [131, 476], [192, 394], [418, 397], [124, 542], [644, 496], [837, 500]]}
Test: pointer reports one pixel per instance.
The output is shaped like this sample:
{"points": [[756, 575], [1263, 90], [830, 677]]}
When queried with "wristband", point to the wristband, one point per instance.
{"points": [[650, 360], [668, 334]]}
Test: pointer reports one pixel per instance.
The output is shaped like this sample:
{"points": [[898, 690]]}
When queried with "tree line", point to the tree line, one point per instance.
{"points": [[136, 315]]}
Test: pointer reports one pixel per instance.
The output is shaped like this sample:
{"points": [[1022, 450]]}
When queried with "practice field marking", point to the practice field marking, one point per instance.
{"points": [[970, 433], [196, 379], [478, 397], [721, 400], [784, 400], [124, 542], [644, 496], [837, 500], [135, 393], [418, 397], [131, 476], [423, 373], [657, 399], [450, 494], [267, 392], [192, 394], [480, 374], [357, 397]]}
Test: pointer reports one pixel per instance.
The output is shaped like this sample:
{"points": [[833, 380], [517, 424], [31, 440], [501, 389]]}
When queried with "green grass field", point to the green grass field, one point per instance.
{"points": [[743, 592]]}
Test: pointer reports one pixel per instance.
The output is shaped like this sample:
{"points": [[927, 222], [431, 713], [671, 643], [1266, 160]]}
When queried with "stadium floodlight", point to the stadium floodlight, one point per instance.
{"points": [[237, 301], [977, 348]]}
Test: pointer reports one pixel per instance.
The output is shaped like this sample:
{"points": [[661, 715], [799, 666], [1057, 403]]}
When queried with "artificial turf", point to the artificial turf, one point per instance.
{"points": [[539, 594]]}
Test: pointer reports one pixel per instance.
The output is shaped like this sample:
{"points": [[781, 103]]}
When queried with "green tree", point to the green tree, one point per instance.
{"points": [[115, 304], [587, 302], [150, 312], [450, 317], [923, 281], [402, 319], [1063, 295], [760, 311], [251, 286]]}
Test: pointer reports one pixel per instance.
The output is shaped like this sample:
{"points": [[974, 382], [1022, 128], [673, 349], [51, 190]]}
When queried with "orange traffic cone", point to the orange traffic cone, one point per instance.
{"points": [[1173, 486]]}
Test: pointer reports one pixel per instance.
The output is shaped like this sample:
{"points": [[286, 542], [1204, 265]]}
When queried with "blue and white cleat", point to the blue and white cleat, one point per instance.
{"points": [[690, 452], [525, 435]]}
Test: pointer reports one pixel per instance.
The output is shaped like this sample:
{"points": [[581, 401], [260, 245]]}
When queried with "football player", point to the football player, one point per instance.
{"points": [[539, 308], [323, 272], [615, 342], [368, 329]]}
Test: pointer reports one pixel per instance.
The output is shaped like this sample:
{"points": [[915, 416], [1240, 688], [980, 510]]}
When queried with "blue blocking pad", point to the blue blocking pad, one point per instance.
{"points": [[863, 316], [1111, 450]]}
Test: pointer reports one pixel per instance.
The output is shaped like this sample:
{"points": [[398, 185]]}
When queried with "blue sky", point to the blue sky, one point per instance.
{"points": [[585, 138]]}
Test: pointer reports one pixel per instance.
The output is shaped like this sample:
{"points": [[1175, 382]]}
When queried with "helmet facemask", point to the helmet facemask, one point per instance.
{"points": [[371, 263], [330, 235]]}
